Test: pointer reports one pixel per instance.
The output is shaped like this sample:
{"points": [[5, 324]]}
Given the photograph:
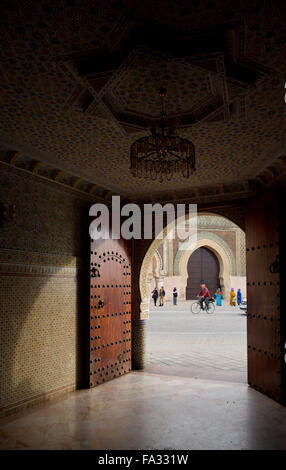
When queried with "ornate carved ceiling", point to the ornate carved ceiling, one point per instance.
{"points": [[80, 79]]}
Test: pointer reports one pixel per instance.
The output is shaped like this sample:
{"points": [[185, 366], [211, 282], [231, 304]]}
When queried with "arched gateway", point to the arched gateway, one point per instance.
{"points": [[203, 265]]}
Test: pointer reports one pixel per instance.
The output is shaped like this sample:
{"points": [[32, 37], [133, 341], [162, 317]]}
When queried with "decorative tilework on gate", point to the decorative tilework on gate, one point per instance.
{"points": [[203, 235]]}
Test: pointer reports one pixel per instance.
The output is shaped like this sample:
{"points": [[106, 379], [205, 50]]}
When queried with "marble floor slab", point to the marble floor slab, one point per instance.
{"points": [[151, 411]]}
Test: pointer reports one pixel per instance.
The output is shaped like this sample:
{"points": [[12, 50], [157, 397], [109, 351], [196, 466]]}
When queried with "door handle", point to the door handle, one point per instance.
{"points": [[100, 303], [94, 272]]}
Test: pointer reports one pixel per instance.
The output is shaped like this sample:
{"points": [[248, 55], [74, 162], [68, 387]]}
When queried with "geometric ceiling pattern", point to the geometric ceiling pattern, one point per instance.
{"points": [[79, 84]]}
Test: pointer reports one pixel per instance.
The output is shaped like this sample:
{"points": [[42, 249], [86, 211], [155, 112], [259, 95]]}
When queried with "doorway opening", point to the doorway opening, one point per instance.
{"points": [[209, 346], [202, 265]]}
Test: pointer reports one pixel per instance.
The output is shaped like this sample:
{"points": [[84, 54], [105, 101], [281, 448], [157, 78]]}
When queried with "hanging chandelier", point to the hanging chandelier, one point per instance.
{"points": [[163, 154]]}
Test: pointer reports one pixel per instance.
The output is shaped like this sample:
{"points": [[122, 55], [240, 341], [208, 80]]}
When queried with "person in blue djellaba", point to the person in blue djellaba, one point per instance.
{"points": [[218, 296], [175, 296], [238, 297]]}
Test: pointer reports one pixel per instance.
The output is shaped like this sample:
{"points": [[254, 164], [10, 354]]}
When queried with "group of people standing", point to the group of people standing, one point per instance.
{"points": [[233, 299], [161, 294], [204, 294]]}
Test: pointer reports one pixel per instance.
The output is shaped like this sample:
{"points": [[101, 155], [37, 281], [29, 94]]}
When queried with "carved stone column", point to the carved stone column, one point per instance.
{"points": [[165, 257], [170, 258], [157, 281], [160, 281], [138, 344], [138, 323]]}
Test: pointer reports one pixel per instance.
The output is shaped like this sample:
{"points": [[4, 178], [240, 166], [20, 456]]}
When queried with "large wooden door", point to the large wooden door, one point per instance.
{"points": [[202, 265], [110, 310], [265, 348]]}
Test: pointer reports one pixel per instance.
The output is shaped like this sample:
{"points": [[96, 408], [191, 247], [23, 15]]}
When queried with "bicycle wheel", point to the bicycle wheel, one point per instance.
{"points": [[211, 308], [195, 307]]}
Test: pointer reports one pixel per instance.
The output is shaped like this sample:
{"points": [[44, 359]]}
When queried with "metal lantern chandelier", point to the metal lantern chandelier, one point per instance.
{"points": [[162, 155]]}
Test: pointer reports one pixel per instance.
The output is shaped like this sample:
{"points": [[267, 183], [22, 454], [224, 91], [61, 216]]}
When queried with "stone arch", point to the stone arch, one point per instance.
{"points": [[155, 274], [143, 279], [209, 236], [159, 261]]}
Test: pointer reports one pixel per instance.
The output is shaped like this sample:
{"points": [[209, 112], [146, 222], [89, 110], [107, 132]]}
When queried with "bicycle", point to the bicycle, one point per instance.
{"points": [[196, 307]]}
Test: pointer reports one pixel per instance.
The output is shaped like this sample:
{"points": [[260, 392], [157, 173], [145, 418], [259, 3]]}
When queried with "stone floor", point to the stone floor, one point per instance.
{"points": [[200, 346], [192, 395], [150, 411]]}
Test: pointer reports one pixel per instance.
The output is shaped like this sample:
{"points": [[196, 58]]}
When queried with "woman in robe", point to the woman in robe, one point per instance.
{"points": [[232, 297], [161, 296], [238, 297], [218, 296]]}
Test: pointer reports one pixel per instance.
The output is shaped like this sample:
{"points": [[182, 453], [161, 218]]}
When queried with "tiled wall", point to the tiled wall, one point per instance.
{"points": [[40, 275], [48, 215], [227, 232]]}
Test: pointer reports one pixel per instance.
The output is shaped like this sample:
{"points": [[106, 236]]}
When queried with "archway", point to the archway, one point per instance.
{"points": [[155, 268], [220, 250], [181, 343], [202, 266], [259, 219], [143, 279], [212, 241], [172, 336]]}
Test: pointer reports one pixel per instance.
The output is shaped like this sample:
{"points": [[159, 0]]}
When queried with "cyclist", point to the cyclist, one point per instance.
{"points": [[204, 296]]}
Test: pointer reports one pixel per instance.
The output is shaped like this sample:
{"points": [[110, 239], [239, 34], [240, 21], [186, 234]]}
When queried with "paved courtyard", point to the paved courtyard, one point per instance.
{"points": [[208, 346]]}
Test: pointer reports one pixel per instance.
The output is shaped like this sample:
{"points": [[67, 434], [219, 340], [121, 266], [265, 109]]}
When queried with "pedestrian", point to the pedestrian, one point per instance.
{"points": [[155, 296], [232, 297], [175, 296], [238, 297], [161, 296], [218, 296]]}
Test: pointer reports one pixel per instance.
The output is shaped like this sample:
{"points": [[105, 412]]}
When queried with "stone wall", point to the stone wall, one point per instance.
{"points": [[41, 301], [169, 283]]}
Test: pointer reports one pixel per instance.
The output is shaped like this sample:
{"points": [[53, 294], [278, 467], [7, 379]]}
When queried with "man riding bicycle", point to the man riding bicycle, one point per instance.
{"points": [[204, 296]]}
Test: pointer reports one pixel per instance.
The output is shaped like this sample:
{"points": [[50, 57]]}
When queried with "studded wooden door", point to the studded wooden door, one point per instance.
{"points": [[202, 265], [110, 310], [263, 296]]}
